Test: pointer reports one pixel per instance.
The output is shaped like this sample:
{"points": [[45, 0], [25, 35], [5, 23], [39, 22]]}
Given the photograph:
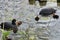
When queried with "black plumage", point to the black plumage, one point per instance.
{"points": [[37, 18], [14, 21], [47, 11], [8, 25]]}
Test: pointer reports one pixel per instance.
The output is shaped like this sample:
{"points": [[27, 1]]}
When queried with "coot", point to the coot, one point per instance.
{"points": [[47, 11], [8, 25]]}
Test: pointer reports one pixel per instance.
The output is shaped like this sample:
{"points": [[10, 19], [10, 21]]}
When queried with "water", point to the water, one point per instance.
{"points": [[21, 10]]}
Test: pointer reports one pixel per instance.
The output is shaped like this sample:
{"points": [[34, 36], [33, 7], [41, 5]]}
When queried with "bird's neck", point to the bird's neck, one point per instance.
{"points": [[13, 23]]}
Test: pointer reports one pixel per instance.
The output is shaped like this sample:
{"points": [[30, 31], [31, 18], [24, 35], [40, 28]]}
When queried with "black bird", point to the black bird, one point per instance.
{"points": [[8, 25], [47, 11]]}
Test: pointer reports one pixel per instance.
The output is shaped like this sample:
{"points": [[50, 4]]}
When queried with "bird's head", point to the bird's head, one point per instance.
{"points": [[14, 21], [55, 16]]}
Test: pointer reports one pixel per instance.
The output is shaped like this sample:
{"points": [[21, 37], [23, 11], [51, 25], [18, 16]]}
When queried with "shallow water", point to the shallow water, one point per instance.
{"points": [[21, 10]]}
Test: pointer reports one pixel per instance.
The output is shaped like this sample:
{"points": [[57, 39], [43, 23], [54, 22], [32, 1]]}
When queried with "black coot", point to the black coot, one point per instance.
{"points": [[8, 25], [48, 11]]}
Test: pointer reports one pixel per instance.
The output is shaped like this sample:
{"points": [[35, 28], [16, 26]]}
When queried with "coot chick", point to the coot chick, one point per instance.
{"points": [[14, 21]]}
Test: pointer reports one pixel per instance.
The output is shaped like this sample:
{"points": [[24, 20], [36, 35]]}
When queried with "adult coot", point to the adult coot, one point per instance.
{"points": [[47, 11], [10, 25]]}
